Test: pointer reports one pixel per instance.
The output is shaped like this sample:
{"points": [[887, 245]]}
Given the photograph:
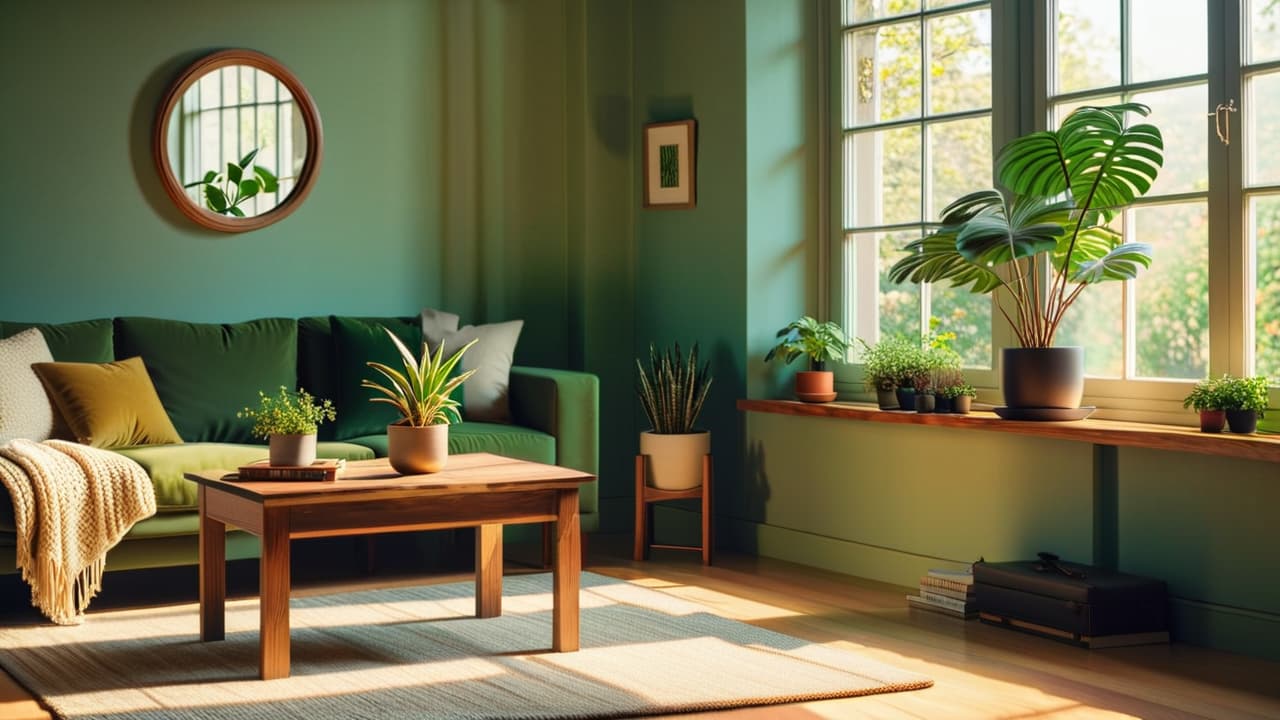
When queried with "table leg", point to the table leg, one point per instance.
{"points": [[567, 568], [213, 573], [488, 570], [273, 587]]}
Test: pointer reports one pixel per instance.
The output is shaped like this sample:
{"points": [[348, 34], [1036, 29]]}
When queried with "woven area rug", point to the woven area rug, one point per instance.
{"points": [[418, 653]]}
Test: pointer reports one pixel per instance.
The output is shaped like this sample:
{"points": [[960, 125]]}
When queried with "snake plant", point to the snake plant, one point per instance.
{"points": [[1062, 189], [673, 389]]}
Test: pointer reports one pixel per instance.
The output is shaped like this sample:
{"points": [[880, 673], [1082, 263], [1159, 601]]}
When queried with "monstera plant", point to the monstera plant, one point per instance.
{"points": [[1038, 242], [224, 192]]}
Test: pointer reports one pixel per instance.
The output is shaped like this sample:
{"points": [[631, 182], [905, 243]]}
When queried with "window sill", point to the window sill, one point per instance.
{"points": [[1099, 432]]}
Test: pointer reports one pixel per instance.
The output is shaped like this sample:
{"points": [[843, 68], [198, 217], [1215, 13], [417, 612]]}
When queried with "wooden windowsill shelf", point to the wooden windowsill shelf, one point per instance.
{"points": [[1099, 432]]}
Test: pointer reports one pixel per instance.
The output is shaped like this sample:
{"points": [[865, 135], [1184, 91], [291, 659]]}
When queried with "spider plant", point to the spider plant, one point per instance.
{"points": [[421, 392], [673, 389], [1062, 189]]}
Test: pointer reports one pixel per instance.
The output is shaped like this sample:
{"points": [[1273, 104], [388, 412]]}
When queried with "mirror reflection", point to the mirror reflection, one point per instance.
{"points": [[236, 141]]}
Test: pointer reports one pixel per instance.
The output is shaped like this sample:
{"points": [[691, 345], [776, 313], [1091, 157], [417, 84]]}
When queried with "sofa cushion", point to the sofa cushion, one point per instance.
{"points": [[167, 465], [86, 341], [25, 409], [485, 396], [206, 372], [107, 405], [497, 438], [356, 342], [316, 369]]}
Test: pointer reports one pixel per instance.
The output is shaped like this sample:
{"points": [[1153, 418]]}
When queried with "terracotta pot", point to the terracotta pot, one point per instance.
{"points": [[1042, 377], [675, 461], [291, 450], [1242, 421], [417, 450], [816, 385], [1212, 421]]}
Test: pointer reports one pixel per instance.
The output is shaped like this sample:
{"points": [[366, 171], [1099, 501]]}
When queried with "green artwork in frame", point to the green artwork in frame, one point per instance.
{"points": [[670, 164]]}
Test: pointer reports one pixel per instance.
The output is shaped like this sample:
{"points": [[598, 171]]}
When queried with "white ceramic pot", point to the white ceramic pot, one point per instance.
{"points": [[416, 450], [674, 461], [292, 450]]}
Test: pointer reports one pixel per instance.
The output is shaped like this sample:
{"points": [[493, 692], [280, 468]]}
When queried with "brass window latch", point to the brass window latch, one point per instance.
{"points": [[1222, 119]]}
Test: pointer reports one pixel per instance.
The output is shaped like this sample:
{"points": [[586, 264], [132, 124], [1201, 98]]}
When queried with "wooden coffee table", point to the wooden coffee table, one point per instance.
{"points": [[481, 490]]}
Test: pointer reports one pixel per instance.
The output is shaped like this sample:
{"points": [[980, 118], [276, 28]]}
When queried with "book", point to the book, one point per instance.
{"points": [[933, 582], [325, 469], [960, 604], [964, 577], [947, 592], [919, 603]]}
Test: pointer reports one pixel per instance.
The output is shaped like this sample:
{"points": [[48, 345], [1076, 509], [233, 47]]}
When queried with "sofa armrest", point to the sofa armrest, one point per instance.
{"points": [[565, 404]]}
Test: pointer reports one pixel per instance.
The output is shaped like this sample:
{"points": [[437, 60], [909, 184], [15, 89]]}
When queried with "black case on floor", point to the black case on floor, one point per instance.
{"points": [[1101, 608]]}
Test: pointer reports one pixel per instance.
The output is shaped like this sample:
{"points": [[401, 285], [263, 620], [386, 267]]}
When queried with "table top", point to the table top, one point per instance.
{"points": [[468, 473]]}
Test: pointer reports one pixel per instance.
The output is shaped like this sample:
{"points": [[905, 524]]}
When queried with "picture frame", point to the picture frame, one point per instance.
{"points": [[670, 165]]}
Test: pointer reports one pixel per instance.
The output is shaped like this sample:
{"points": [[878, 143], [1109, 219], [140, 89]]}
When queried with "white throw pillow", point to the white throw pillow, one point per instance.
{"points": [[485, 397], [25, 409]]}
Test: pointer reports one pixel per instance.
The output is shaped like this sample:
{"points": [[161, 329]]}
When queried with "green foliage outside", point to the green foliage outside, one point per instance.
{"points": [[672, 390], [288, 413]]}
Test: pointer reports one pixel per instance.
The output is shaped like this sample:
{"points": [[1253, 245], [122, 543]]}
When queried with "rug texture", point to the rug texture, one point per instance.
{"points": [[419, 653]]}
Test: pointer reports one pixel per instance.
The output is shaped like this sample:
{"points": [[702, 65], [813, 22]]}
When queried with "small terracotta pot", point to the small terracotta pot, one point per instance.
{"points": [[291, 450], [1212, 421], [816, 385], [962, 404], [417, 450]]}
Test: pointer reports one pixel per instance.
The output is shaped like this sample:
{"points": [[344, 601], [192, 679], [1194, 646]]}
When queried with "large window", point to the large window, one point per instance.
{"points": [[917, 110], [917, 135]]}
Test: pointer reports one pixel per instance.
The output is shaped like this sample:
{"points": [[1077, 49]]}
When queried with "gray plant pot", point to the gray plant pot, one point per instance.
{"points": [[1042, 377], [887, 399], [962, 404], [291, 450]]}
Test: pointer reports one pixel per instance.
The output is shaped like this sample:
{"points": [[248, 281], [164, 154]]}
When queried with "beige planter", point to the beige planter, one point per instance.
{"points": [[675, 461], [291, 449], [415, 450]]}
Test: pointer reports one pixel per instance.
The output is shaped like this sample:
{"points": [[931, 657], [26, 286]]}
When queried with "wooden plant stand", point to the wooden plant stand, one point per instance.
{"points": [[645, 495]]}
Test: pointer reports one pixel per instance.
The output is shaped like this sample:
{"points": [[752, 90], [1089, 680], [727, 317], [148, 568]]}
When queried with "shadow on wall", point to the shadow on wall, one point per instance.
{"points": [[612, 123], [755, 494]]}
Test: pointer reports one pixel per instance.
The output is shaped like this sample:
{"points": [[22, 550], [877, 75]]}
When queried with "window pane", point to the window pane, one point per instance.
{"points": [[1180, 115], [931, 4], [960, 62], [968, 315], [230, 77], [1264, 228], [266, 86], [863, 10], [1262, 118], [230, 140], [1264, 30], [209, 91], [899, 304], [1173, 294], [887, 65], [959, 160], [1062, 110], [1095, 322], [1168, 38], [882, 177], [1088, 36]]}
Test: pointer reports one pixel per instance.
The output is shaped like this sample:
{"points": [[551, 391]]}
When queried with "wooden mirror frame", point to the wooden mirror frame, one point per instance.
{"points": [[302, 101]]}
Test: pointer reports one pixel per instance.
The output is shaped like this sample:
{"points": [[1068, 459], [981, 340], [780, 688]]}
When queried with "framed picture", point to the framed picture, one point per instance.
{"points": [[669, 172]]}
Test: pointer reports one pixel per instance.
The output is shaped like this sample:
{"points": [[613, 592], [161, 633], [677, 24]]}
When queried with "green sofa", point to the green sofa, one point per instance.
{"points": [[204, 373]]}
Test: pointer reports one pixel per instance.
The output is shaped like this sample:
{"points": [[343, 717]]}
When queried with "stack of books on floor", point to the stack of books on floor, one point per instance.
{"points": [[949, 592]]}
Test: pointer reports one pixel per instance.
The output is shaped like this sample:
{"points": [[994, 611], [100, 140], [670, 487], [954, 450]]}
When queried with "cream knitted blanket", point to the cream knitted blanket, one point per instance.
{"points": [[71, 504]]}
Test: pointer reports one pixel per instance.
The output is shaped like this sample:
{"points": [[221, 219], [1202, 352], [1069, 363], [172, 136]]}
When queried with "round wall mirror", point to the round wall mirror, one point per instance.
{"points": [[238, 141]]}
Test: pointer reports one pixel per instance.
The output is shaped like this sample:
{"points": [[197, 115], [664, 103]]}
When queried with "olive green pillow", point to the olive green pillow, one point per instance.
{"points": [[357, 341], [108, 405]]}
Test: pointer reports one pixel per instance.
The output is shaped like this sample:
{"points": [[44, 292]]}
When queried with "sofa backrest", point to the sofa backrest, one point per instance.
{"points": [[85, 341]]}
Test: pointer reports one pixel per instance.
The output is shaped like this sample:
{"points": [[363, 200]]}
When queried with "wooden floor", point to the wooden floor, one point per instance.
{"points": [[979, 671]]}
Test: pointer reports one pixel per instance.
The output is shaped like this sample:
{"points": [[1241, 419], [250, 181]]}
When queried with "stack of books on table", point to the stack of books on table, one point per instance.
{"points": [[949, 592]]}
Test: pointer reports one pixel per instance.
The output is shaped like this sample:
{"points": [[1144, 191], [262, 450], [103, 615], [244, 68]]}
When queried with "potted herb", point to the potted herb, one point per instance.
{"points": [[961, 395], [289, 421], [1206, 399], [884, 365], [419, 441], [820, 342], [1244, 399], [924, 400], [943, 382], [1042, 239], [672, 391]]}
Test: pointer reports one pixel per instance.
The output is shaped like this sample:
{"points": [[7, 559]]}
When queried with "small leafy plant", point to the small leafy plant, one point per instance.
{"points": [[422, 392], [224, 192], [1205, 396], [673, 389], [888, 361], [819, 341], [288, 413], [1243, 393], [955, 390]]}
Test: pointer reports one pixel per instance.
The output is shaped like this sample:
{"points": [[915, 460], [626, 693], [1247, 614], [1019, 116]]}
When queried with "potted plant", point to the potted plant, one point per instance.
{"points": [[224, 192], [961, 395], [943, 382], [1042, 239], [1244, 399], [820, 342], [883, 367], [672, 391], [419, 441], [924, 397], [1206, 399], [288, 422]]}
